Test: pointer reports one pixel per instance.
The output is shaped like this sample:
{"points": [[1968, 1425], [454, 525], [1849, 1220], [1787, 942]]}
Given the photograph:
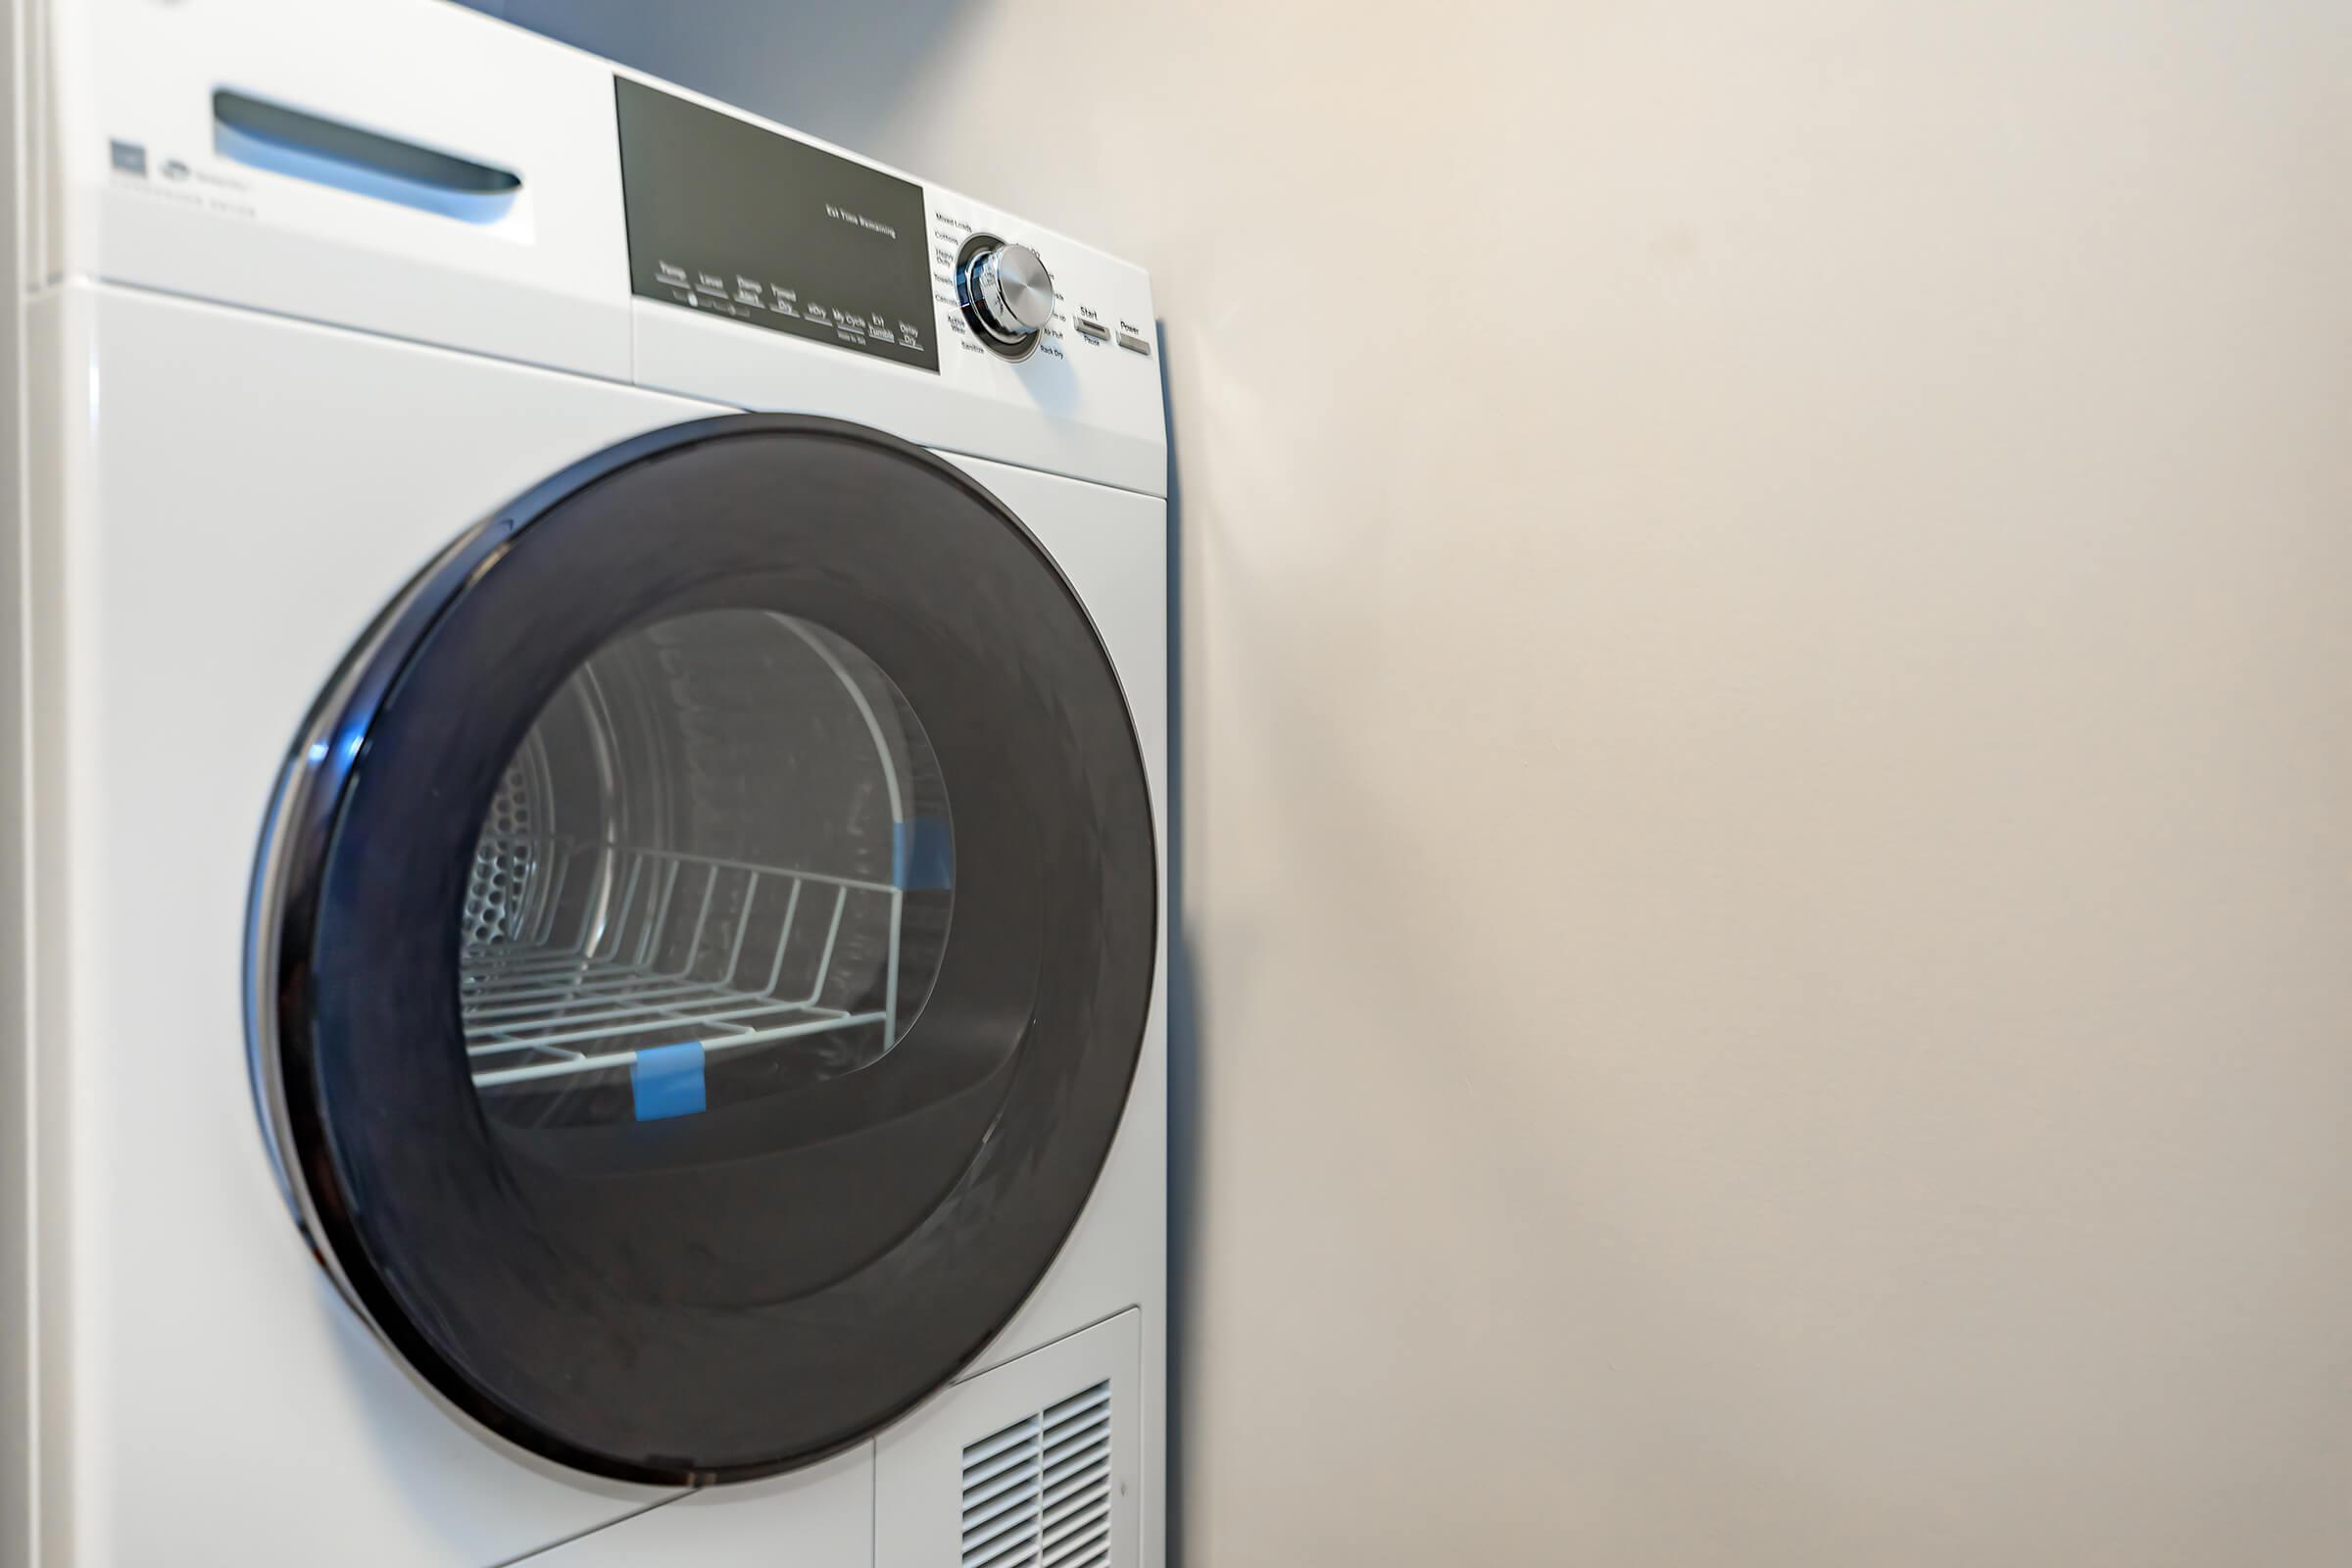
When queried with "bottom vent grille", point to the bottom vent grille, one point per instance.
{"points": [[1037, 1495]]}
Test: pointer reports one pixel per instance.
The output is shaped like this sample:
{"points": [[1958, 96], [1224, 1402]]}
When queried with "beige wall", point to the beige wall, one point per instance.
{"points": [[1767, 756]]}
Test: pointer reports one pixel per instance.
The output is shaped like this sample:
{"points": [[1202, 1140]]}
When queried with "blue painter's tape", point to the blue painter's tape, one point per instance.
{"points": [[921, 854], [668, 1080]]}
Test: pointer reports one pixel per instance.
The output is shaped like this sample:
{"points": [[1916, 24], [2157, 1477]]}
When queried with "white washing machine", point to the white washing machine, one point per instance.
{"points": [[586, 751]]}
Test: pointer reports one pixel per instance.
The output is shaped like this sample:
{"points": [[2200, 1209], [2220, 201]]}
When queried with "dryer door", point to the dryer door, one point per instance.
{"points": [[703, 945]]}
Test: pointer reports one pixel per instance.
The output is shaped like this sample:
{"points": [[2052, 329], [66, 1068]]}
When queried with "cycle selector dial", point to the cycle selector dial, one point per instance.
{"points": [[1010, 292]]}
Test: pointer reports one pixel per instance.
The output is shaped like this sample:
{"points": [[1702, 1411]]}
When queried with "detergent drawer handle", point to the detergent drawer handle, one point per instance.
{"points": [[262, 135]]}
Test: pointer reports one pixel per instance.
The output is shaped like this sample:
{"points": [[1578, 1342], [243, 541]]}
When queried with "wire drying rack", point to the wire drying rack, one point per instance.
{"points": [[625, 949]]}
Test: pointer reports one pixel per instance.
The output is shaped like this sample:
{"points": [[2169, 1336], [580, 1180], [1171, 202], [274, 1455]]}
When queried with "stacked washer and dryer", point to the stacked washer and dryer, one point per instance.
{"points": [[585, 734]]}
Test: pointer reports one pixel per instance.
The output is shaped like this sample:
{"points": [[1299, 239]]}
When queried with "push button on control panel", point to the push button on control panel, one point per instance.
{"points": [[1094, 330], [1130, 338]]}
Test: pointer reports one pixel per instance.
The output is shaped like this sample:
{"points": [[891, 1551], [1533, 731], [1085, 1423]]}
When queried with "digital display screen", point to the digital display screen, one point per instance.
{"points": [[736, 222]]}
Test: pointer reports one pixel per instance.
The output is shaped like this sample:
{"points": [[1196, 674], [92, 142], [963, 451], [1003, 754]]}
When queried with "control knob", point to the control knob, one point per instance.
{"points": [[1012, 292]]}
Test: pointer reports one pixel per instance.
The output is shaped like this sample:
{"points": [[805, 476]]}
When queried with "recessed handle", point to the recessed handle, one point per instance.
{"points": [[262, 135]]}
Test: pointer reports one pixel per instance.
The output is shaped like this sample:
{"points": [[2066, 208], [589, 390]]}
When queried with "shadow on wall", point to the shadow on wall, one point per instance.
{"points": [[1183, 987], [841, 72]]}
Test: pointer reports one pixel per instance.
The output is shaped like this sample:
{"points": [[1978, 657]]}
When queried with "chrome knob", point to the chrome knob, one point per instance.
{"points": [[1013, 291]]}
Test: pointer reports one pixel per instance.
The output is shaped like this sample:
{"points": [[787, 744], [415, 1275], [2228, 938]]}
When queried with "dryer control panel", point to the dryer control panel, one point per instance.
{"points": [[727, 216], [463, 183]]}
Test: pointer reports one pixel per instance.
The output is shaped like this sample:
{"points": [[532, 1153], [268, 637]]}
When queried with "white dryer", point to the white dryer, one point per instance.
{"points": [[584, 896]]}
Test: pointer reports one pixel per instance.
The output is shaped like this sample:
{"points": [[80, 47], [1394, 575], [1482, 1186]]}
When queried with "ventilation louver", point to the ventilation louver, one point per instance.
{"points": [[1037, 1495]]}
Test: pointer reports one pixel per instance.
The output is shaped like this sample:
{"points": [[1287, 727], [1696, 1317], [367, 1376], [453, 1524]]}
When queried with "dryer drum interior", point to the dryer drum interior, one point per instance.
{"points": [[726, 833]]}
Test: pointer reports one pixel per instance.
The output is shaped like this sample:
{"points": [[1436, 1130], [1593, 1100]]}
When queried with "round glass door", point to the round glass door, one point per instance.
{"points": [[702, 946]]}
